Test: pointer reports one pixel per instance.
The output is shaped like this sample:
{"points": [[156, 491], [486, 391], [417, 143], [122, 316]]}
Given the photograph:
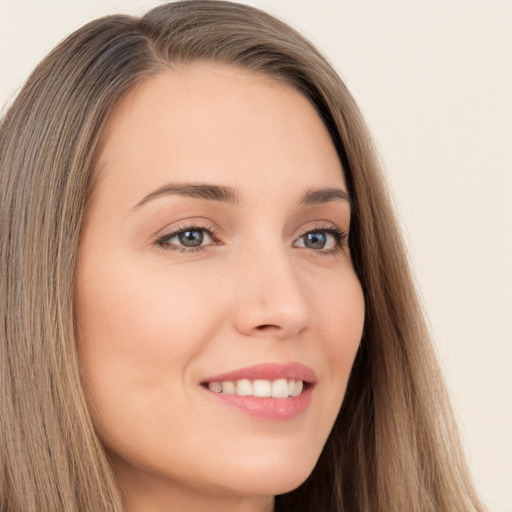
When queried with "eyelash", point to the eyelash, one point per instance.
{"points": [[209, 229], [339, 235]]}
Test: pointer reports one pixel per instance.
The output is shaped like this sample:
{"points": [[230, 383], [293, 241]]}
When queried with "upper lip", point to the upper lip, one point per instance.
{"points": [[268, 371]]}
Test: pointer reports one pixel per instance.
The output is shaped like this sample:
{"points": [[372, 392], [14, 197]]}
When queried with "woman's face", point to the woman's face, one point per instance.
{"points": [[213, 266]]}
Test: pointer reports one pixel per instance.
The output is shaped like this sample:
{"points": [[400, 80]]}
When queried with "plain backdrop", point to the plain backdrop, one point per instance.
{"points": [[434, 81]]}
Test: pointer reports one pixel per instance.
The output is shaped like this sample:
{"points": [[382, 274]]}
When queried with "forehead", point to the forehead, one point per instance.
{"points": [[204, 122]]}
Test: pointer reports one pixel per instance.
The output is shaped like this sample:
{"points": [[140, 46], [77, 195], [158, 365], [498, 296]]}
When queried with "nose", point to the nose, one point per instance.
{"points": [[271, 298]]}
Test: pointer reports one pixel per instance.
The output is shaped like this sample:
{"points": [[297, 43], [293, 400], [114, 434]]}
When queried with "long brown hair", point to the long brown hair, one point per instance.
{"points": [[394, 444]]}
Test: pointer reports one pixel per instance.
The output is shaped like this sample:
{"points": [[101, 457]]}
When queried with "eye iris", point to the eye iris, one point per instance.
{"points": [[316, 240], [191, 238]]}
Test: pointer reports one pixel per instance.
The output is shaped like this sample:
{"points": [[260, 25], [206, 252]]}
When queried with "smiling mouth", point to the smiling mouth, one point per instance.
{"points": [[267, 391], [261, 388]]}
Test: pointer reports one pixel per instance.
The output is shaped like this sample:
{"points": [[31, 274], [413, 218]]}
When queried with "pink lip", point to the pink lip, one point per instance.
{"points": [[268, 408], [268, 371]]}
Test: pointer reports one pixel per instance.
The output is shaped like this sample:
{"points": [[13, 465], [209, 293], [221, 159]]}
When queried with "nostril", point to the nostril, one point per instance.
{"points": [[266, 326]]}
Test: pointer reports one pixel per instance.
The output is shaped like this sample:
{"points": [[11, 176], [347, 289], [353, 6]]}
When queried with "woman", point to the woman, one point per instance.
{"points": [[206, 301]]}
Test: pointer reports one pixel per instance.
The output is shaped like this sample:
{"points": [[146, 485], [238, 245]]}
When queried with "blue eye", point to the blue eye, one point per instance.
{"points": [[316, 240], [327, 240], [187, 238], [191, 238]]}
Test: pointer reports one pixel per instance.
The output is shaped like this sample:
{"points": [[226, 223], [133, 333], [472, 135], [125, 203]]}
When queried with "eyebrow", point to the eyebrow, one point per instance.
{"points": [[229, 195], [199, 191], [325, 195]]}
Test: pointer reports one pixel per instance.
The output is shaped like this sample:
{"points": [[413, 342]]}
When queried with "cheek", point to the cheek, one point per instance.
{"points": [[138, 334], [341, 314], [138, 331]]}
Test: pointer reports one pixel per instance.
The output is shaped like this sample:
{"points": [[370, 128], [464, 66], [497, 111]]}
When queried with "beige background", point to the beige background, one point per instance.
{"points": [[434, 80]]}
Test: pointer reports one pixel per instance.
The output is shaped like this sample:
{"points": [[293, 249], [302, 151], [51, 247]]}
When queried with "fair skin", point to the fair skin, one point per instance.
{"points": [[215, 240]]}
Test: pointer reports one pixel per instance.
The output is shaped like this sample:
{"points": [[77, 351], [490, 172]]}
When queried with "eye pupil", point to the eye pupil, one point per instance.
{"points": [[315, 240], [191, 238]]}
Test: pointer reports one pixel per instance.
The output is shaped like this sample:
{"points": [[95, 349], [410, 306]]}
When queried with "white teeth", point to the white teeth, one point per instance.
{"points": [[280, 388], [244, 387], [228, 387], [299, 386], [216, 387], [262, 388]]}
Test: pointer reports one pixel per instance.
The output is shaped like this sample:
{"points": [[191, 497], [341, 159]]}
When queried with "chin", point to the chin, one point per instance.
{"points": [[277, 477], [283, 483]]}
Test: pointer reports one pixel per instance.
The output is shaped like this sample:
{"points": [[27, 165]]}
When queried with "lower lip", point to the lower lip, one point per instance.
{"points": [[268, 408]]}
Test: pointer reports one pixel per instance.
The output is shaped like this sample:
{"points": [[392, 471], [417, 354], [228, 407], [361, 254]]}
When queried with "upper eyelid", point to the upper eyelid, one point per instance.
{"points": [[179, 226], [323, 225]]}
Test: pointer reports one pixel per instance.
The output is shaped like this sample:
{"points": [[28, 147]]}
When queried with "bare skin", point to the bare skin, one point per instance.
{"points": [[215, 240]]}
